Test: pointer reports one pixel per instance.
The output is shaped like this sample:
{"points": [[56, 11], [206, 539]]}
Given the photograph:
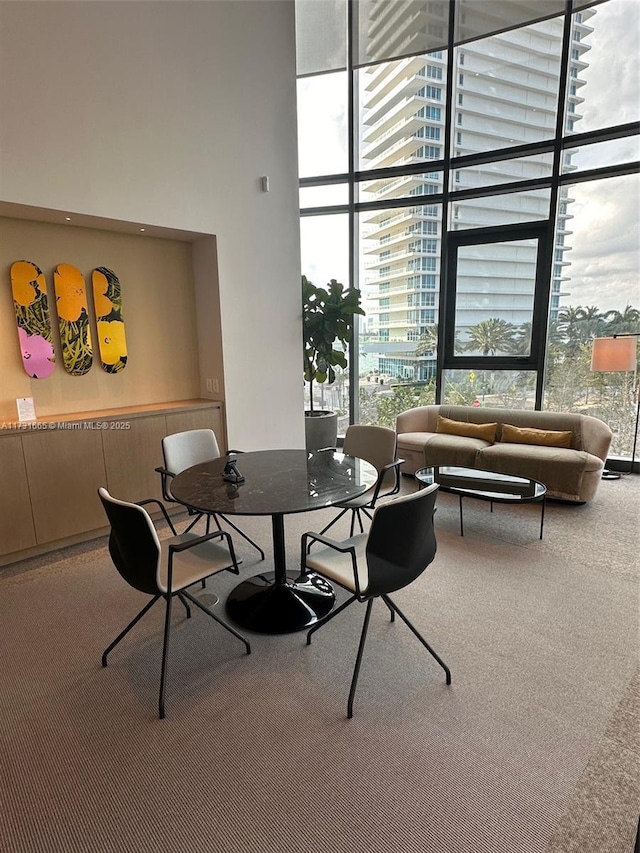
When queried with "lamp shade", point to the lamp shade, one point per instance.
{"points": [[613, 354]]}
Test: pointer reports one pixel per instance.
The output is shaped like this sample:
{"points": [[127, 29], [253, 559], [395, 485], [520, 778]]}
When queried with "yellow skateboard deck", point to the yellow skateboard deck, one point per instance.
{"points": [[107, 301], [33, 319], [73, 319]]}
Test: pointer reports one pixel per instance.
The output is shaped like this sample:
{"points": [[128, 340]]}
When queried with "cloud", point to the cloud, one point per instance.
{"points": [[605, 266]]}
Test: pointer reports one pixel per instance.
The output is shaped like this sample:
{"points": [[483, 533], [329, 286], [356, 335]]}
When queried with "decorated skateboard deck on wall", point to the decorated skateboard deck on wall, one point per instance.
{"points": [[73, 319], [33, 319], [107, 300]]}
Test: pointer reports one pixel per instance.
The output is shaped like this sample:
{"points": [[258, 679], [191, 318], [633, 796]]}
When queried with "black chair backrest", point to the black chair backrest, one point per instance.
{"points": [[133, 543], [401, 542]]}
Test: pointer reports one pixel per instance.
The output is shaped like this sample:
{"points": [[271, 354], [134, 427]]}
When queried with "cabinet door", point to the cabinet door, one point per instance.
{"points": [[65, 468], [131, 457], [16, 522], [209, 418]]}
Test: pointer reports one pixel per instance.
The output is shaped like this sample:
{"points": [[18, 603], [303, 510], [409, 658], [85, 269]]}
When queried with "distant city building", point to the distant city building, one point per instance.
{"points": [[504, 94]]}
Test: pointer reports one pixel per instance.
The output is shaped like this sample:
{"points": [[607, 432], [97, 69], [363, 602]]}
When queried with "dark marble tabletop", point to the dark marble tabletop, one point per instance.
{"points": [[276, 481]]}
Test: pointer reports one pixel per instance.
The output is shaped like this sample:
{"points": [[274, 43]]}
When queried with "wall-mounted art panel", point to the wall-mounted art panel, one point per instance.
{"points": [[33, 319], [73, 319], [107, 300]]}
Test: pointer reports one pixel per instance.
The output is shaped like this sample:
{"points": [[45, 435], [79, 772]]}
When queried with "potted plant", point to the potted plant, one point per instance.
{"points": [[327, 319]]}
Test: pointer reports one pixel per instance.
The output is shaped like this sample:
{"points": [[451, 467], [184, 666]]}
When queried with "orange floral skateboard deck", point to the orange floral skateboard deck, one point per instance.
{"points": [[107, 301], [33, 319], [73, 319]]}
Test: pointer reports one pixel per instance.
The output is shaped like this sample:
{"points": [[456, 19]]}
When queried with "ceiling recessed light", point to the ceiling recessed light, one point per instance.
{"points": [[68, 218], [142, 229]]}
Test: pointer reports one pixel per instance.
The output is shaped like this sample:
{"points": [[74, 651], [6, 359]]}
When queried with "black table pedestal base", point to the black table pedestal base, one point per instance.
{"points": [[262, 605]]}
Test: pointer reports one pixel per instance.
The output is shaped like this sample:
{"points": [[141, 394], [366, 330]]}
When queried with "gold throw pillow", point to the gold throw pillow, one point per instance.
{"points": [[487, 432], [528, 435]]}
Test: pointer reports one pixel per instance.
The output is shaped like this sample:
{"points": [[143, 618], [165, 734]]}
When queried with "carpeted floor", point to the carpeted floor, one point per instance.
{"points": [[534, 747]]}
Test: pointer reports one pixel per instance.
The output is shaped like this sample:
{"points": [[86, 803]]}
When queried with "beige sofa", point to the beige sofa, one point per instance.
{"points": [[572, 473]]}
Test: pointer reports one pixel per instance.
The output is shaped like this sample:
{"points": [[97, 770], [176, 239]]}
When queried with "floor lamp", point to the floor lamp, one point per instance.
{"points": [[613, 355]]}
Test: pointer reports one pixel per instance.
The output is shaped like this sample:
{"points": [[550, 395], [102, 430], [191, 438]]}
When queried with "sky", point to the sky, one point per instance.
{"points": [[605, 243]]}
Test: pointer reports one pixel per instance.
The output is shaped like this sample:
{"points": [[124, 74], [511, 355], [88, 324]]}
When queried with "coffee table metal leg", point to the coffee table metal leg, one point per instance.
{"points": [[461, 527], [542, 516]]}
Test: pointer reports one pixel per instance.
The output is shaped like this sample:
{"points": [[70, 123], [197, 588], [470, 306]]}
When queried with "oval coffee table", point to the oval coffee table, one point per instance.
{"points": [[484, 486]]}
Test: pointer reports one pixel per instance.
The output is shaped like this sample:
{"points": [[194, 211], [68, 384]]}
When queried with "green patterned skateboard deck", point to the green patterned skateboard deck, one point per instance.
{"points": [[107, 301], [73, 319], [32, 317]]}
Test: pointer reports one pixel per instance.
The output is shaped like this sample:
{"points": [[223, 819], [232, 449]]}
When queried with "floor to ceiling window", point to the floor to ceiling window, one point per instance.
{"points": [[477, 178]]}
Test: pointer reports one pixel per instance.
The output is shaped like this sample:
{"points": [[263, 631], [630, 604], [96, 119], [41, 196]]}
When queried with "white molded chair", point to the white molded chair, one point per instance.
{"points": [[163, 570], [401, 543], [182, 450], [377, 445]]}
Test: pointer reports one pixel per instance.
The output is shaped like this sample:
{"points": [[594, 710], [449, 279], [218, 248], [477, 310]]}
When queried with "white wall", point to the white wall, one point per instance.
{"points": [[168, 113]]}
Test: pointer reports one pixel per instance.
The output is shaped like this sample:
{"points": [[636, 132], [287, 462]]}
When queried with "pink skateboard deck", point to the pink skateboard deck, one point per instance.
{"points": [[33, 319]]}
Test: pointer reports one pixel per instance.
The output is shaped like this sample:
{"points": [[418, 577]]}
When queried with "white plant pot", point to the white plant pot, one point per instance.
{"points": [[321, 429]]}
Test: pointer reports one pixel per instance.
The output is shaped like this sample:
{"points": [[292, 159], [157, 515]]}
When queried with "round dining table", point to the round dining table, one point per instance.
{"points": [[276, 483]]}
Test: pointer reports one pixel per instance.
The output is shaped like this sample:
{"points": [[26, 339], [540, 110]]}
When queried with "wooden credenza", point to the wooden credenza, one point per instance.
{"points": [[51, 470]]}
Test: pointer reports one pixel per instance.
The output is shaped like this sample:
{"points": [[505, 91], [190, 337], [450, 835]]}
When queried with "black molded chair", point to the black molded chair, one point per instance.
{"points": [[377, 445], [181, 450], [163, 570], [401, 543]]}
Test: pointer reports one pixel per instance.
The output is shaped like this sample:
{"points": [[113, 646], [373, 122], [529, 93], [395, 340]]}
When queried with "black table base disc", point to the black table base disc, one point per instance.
{"points": [[261, 605]]}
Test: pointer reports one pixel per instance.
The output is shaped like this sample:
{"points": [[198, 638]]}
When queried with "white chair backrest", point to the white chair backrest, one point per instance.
{"points": [[184, 449], [376, 444]]}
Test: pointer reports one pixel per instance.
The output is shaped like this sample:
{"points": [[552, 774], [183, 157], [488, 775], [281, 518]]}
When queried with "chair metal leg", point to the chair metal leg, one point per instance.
{"points": [[395, 607], [331, 523], [328, 618], [122, 634], [391, 611], [243, 534], [193, 523], [355, 513], [217, 619], [356, 671], [165, 656], [185, 604]]}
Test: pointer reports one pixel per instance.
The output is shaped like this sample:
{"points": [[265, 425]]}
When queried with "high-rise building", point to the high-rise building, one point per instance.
{"points": [[504, 94]]}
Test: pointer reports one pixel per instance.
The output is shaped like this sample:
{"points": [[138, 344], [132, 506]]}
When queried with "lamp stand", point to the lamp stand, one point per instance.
{"points": [[635, 434], [615, 475], [637, 396]]}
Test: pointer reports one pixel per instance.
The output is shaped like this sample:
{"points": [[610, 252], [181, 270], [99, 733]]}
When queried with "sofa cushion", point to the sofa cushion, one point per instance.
{"points": [[529, 435], [487, 432], [442, 449], [560, 469]]}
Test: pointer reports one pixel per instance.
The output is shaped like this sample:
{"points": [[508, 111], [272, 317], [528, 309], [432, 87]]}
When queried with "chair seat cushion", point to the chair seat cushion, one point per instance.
{"points": [[338, 566], [194, 564]]}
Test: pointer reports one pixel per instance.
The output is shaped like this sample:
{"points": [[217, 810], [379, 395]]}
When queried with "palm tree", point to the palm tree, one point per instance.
{"points": [[522, 340], [491, 336], [625, 321], [428, 342], [591, 325], [569, 320]]}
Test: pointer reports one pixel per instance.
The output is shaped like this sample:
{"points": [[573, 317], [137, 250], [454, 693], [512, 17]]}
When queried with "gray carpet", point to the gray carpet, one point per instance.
{"points": [[534, 746]]}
